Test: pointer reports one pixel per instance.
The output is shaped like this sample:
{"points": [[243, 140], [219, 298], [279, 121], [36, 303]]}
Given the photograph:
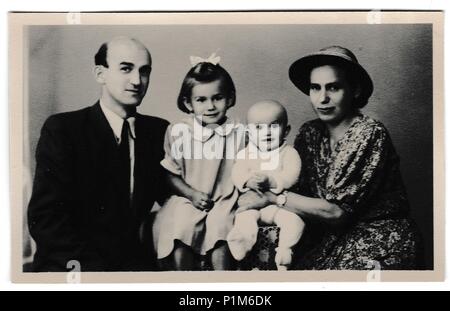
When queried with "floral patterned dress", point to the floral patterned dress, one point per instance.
{"points": [[362, 176]]}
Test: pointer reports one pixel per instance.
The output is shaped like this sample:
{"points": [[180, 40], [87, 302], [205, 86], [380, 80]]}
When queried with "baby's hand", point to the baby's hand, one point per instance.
{"points": [[266, 181], [263, 178], [258, 182], [202, 201]]}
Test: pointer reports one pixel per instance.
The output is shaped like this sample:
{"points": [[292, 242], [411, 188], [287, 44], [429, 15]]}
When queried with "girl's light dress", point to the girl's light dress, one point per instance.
{"points": [[203, 158]]}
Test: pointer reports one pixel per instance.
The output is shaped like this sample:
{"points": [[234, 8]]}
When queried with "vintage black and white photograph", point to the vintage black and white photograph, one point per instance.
{"points": [[239, 146]]}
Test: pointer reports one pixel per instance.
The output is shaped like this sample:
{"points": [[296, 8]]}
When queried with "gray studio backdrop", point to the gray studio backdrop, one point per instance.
{"points": [[398, 57]]}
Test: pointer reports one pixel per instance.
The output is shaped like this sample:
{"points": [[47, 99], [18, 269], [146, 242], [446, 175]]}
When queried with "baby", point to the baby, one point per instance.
{"points": [[266, 164]]}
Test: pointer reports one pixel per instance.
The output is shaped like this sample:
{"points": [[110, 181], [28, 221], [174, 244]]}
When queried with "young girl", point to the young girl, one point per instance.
{"points": [[200, 150]]}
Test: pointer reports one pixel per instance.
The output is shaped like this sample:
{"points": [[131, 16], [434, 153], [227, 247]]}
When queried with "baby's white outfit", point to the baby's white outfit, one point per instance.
{"points": [[283, 165]]}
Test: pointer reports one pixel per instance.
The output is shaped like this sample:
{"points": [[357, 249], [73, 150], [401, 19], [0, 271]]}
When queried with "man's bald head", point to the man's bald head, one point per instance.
{"points": [[101, 57]]}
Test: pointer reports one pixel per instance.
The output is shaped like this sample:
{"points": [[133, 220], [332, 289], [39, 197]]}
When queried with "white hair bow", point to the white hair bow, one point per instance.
{"points": [[213, 59]]}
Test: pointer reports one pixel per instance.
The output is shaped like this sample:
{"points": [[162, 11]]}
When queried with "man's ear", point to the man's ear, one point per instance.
{"points": [[187, 104], [99, 73]]}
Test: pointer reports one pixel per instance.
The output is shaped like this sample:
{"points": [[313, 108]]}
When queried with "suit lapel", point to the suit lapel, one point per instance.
{"points": [[102, 130], [102, 143], [105, 153]]}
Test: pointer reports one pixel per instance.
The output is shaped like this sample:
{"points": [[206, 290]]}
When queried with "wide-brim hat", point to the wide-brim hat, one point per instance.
{"points": [[300, 70]]}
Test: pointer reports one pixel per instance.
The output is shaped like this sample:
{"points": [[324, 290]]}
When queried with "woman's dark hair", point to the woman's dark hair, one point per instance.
{"points": [[351, 75], [204, 73]]}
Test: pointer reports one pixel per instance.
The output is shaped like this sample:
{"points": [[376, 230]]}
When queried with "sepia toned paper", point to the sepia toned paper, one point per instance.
{"points": [[51, 59]]}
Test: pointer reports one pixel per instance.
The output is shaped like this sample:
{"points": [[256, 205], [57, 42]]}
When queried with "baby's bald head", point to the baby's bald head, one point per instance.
{"points": [[267, 112]]}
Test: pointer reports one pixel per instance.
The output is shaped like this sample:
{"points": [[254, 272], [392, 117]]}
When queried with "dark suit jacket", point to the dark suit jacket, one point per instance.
{"points": [[75, 212]]}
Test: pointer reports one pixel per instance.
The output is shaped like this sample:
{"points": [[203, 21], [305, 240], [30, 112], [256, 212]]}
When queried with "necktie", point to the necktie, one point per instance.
{"points": [[124, 163]]}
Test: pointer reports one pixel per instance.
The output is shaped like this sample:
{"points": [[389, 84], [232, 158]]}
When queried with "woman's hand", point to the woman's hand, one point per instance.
{"points": [[202, 201], [253, 200]]}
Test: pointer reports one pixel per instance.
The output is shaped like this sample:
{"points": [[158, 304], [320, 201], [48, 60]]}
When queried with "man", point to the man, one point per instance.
{"points": [[98, 172]]}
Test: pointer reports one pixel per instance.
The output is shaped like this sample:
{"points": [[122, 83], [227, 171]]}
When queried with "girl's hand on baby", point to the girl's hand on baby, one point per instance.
{"points": [[202, 201]]}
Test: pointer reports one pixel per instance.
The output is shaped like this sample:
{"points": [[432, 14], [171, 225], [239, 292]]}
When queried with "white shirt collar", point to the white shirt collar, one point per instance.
{"points": [[116, 122]]}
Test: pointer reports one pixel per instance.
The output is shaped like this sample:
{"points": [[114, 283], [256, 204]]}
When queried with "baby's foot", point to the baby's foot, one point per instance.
{"points": [[282, 268], [283, 258], [239, 244]]}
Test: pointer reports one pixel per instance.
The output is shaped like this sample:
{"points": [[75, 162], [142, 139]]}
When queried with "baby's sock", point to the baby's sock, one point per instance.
{"points": [[243, 235], [283, 258], [240, 243]]}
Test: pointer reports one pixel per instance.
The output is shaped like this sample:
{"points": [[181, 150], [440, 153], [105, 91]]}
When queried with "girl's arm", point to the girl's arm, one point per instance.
{"points": [[199, 199]]}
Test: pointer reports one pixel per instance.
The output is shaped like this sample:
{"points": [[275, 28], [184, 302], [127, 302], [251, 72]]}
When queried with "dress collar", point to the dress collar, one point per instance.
{"points": [[204, 133]]}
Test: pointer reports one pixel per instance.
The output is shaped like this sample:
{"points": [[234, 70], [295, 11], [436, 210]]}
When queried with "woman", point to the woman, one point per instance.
{"points": [[351, 193]]}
